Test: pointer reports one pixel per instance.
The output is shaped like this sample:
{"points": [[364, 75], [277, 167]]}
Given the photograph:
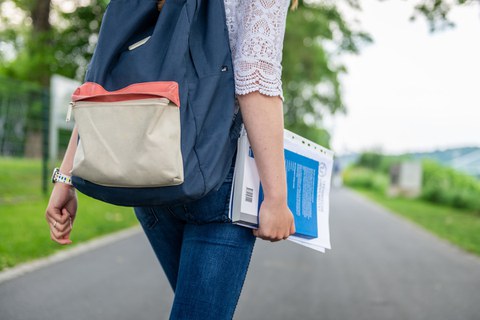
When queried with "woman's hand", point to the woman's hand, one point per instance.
{"points": [[276, 221], [61, 212]]}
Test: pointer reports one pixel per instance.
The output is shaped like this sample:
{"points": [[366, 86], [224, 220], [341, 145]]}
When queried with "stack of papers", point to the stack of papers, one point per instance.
{"points": [[309, 169]]}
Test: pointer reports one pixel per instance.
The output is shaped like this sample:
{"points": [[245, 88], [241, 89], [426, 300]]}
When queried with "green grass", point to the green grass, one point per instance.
{"points": [[460, 227], [20, 180], [24, 233]]}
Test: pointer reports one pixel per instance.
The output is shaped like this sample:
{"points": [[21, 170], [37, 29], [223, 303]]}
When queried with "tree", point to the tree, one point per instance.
{"points": [[50, 37], [62, 35], [437, 11], [59, 36], [316, 36], [43, 47]]}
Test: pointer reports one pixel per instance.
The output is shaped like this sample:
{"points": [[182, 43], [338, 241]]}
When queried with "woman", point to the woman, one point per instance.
{"points": [[204, 256]]}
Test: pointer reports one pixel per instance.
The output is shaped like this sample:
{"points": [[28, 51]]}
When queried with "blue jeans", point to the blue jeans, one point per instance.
{"points": [[205, 257]]}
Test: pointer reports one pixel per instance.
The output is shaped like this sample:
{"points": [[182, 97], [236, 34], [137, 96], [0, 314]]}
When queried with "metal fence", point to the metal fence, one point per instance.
{"points": [[24, 116]]}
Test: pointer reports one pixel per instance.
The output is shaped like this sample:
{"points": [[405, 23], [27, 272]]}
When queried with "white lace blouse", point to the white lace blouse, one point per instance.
{"points": [[256, 30]]}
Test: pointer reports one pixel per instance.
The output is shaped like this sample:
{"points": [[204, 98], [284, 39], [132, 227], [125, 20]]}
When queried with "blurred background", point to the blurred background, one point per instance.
{"points": [[390, 86]]}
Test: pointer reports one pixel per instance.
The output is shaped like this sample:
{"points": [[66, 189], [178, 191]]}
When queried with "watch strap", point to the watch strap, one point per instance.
{"points": [[60, 177]]}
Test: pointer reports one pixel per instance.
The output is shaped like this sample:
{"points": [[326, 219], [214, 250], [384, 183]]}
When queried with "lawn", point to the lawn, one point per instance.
{"points": [[460, 227], [24, 232]]}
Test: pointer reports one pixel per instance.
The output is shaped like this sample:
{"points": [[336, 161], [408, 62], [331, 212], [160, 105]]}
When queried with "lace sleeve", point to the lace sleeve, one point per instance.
{"points": [[256, 31]]}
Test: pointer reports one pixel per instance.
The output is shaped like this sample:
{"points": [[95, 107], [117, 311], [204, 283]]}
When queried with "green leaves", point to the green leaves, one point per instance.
{"points": [[63, 48], [449, 187], [62, 41], [437, 12], [317, 35]]}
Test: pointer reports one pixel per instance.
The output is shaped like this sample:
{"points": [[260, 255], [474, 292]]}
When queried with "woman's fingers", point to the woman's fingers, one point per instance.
{"points": [[60, 225], [54, 214], [59, 239], [272, 237], [60, 228], [60, 236], [292, 228]]}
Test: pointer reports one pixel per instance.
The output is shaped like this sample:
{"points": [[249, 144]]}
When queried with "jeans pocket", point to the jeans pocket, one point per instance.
{"points": [[214, 206], [146, 216]]}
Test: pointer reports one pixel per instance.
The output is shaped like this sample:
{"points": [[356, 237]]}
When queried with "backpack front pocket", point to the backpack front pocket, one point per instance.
{"points": [[128, 142]]}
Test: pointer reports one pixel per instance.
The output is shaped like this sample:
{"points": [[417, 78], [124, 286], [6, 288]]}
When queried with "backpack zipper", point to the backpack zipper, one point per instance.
{"points": [[69, 111], [157, 101]]}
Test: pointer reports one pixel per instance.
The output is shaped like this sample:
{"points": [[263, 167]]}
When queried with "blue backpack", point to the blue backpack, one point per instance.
{"points": [[156, 115]]}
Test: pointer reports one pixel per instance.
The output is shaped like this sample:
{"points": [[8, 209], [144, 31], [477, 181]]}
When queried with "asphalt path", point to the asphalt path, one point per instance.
{"points": [[381, 267]]}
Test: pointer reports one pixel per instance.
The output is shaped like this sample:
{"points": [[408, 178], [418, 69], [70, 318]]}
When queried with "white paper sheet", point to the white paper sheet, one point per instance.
{"points": [[306, 148]]}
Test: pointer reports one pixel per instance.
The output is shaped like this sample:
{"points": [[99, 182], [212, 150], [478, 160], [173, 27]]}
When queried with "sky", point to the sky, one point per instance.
{"points": [[411, 90]]}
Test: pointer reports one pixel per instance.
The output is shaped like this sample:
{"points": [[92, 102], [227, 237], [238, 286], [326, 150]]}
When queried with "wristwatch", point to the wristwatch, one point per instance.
{"points": [[57, 176]]}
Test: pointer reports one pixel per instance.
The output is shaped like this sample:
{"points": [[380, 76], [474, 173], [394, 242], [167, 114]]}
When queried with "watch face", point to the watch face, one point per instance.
{"points": [[53, 175]]}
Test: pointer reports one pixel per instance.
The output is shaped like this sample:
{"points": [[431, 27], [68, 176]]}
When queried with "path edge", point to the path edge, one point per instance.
{"points": [[24, 268]]}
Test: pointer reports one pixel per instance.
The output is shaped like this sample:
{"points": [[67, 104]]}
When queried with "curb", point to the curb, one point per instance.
{"points": [[22, 269]]}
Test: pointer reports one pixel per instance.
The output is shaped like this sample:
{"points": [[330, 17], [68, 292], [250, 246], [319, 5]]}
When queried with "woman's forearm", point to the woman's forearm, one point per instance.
{"points": [[263, 118], [67, 163]]}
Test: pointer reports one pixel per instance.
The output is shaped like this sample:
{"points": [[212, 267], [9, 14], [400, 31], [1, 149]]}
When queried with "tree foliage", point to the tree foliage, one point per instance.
{"points": [[59, 36], [317, 35], [62, 40], [437, 11], [58, 41]]}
